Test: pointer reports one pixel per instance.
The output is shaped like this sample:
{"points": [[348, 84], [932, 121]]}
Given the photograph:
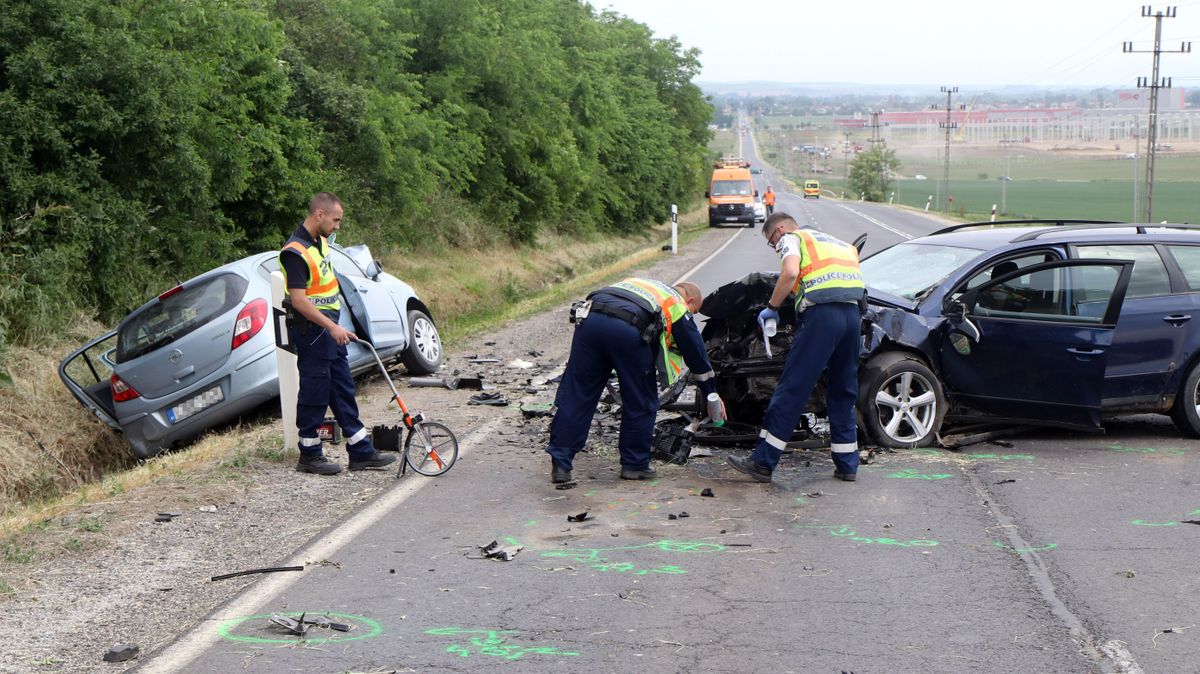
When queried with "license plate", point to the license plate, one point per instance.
{"points": [[191, 406], [730, 218]]}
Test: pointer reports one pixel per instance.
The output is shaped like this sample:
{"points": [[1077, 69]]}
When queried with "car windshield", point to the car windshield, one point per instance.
{"points": [[726, 188], [910, 270], [163, 321]]}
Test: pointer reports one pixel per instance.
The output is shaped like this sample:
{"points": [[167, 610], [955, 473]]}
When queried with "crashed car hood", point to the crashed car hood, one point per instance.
{"points": [[736, 297]]}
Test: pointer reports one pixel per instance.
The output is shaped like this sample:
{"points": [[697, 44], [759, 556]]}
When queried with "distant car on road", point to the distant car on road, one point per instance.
{"points": [[760, 211], [1059, 323], [203, 353], [812, 189], [919, 177]]}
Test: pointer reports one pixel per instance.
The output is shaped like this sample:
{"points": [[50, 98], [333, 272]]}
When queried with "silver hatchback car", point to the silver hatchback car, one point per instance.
{"points": [[202, 353]]}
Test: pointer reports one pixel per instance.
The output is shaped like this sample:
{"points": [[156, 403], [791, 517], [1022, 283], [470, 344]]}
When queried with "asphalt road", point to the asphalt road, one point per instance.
{"points": [[1048, 552]]}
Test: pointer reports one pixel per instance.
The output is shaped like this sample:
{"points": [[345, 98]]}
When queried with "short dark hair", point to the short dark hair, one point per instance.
{"points": [[323, 200], [777, 218]]}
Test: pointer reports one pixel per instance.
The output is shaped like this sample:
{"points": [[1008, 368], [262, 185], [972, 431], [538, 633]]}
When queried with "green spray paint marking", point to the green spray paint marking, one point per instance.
{"points": [[531, 523], [226, 629], [600, 562], [1144, 523], [991, 456], [843, 531], [494, 644], [509, 540], [1117, 447], [912, 474], [1044, 548]]}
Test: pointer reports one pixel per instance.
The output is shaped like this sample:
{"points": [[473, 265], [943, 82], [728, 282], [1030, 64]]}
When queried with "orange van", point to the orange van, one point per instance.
{"points": [[731, 193]]}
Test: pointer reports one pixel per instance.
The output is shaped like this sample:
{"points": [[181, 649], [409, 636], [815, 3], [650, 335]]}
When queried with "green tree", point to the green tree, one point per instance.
{"points": [[871, 173]]}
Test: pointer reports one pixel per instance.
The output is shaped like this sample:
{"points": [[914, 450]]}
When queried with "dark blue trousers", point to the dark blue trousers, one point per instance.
{"points": [[326, 383], [827, 335], [602, 344]]}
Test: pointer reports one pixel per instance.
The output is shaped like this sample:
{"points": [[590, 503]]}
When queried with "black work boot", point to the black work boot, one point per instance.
{"points": [[647, 473], [317, 463], [559, 475], [748, 466], [375, 460]]}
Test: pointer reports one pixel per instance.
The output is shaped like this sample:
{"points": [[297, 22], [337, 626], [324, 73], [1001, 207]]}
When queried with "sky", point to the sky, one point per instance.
{"points": [[1050, 43]]}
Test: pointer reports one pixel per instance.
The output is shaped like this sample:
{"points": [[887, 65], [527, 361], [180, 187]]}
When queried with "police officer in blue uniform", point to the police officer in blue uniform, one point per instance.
{"points": [[632, 327], [823, 274], [325, 380]]}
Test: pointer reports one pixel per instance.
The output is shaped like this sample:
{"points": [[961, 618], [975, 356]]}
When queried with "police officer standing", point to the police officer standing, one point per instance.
{"points": [[325, 380], [823, 273], [629, 327]]}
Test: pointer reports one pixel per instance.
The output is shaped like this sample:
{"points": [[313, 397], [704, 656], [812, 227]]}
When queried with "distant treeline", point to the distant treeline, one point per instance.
{"points": [[143, 141]]}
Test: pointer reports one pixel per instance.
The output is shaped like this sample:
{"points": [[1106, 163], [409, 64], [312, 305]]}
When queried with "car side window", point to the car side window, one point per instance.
{"points": [[1038, 295], [1001, 267], [343, 265], [1188, 258], [1149, 277]]}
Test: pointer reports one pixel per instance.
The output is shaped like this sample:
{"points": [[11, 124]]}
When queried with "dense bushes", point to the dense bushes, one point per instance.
{"points": [[142, 142]]}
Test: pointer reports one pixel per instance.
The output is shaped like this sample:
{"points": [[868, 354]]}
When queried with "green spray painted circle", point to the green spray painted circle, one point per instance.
{"points": [[226, 627]]}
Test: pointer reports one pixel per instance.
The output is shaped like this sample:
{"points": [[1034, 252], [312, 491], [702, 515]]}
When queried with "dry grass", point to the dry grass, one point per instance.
{"points": [[57, 455]]}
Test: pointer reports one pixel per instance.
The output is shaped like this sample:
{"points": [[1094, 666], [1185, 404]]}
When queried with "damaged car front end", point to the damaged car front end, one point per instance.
{"points": [[980, 326]]}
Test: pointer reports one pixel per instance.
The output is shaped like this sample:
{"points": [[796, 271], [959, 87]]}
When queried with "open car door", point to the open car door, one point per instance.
{"points": [[375, 315], [1032, 345], [86, 373]]}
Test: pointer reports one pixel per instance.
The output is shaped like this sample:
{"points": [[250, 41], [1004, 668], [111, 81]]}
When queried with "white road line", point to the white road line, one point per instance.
{"points": [[189, 647], [708, 259], [873, 221]]}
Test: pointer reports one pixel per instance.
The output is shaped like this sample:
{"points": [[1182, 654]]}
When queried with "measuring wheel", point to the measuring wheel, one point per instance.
{"points": [[430, 448]]}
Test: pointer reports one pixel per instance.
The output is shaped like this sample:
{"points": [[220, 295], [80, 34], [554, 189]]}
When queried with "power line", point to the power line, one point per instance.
{"points": [[949, 125], [1154, 83]]}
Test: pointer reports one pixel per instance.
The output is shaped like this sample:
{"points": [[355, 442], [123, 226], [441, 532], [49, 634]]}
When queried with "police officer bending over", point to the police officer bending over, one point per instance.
{"points": [[629, 327], [325, 380], [823, 273]]}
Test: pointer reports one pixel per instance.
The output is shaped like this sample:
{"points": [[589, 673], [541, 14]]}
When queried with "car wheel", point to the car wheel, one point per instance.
{"points": [[424, 352], [901, 400], [1186, 411]]}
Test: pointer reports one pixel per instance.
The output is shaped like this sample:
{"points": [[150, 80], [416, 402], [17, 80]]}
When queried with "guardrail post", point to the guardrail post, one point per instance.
{"points": [[289, 376], [674, 229]]}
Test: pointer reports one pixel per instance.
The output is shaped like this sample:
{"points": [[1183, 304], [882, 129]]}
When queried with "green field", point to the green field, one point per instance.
{"points": [[1098, 200]]}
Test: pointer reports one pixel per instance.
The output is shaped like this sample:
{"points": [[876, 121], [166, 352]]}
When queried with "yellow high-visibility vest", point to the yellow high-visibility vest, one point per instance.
{"points": [[662, 298], [828, 269], [322, 288]]}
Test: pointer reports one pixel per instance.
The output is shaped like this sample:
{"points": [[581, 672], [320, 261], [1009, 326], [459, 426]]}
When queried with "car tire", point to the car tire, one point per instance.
{"points": [[888, 385], [424, 353], [1186, 410]]}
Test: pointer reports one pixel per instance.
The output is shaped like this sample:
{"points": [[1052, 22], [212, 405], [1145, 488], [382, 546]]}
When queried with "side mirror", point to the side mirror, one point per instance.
{"points": [[706, 194], [374, 269], [756, 193], [962, 323], [860, 242]]}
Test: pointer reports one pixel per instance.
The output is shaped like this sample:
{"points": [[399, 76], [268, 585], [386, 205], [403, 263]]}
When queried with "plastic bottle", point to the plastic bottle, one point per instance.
{"points": [[769, 327], [714, 409]]}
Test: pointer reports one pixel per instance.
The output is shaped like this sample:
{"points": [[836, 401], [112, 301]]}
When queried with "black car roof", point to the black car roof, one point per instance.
{"points": [[988, 236]]}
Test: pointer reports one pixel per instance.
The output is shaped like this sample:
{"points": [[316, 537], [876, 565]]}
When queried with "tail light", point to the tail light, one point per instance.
{"points": [[120, 390], [250, 320]]}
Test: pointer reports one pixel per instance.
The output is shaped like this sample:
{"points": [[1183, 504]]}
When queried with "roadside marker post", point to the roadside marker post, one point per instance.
{"points": [[289, 376], [927, 202], [674, 229], [892, 199], [993, 212]]}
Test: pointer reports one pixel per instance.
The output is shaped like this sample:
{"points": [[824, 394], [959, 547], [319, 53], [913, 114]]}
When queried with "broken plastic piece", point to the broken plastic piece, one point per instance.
{"points": [[166, 517], [566, 485], [251, 571], [537, 409], [581, 517], [672, 516], [504, 553], [468, 383], [122, 652], [520, 364], [707, 492]]}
